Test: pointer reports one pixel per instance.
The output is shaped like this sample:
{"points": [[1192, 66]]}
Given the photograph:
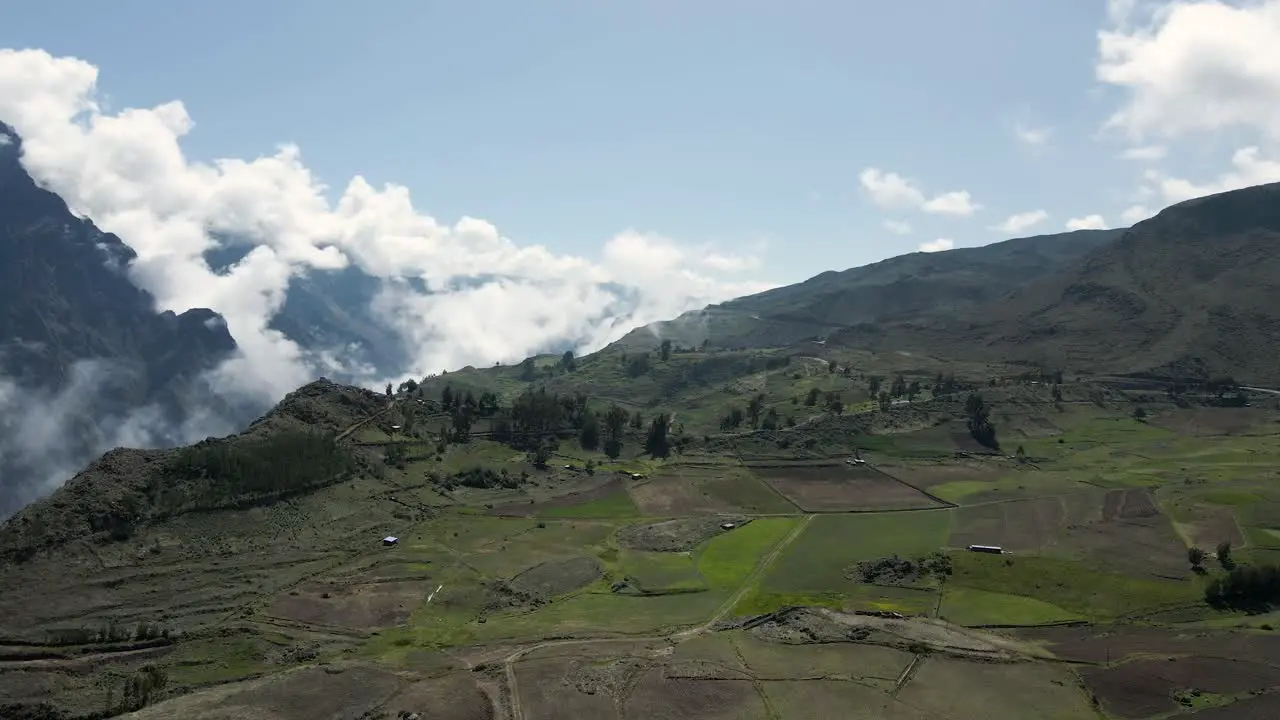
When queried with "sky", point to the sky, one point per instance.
{"points": [[695, 150]]}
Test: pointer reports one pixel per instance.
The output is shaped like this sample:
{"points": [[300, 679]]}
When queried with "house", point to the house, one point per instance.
{"points": [[993, 549], [728, 526], [390, 540], [395, 427]]}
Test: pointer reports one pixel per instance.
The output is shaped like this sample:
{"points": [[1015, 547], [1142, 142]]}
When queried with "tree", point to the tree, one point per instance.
{"points": [[753, 409], [462, 424], [528, 371], [834, 403], [1224, 555], [770, 421], [832, 366], [913, 390], [873, 385], [567, 362], [1196, 557], [1139, 414], [899, 387], [447, 397], [812, 398], [979, 421], [656, 443], [615, 427], [589, 435], [1057, 393], [1021, 454], [389, 393], [664, 350], [733, 419], [883, 400]]}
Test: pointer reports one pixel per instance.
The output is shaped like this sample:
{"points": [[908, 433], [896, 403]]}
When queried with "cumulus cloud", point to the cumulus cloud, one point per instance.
{"points": [[1032, 136], [937, 245], [1193, 66], [1145, 153], [1088, 222], [1135, 214], [1248, 168], [1021, 222], [892, 191], [128, 173], [897, 227]]}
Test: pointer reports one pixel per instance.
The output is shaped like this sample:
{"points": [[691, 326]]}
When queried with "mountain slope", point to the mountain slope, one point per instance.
{"points": [[1188, 293], [907, 287], [70, 318]]}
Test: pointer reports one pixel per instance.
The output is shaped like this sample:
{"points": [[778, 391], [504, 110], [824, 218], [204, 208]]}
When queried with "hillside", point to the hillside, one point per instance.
{"points": [[903, 288], [70, 318], [676, 533]]}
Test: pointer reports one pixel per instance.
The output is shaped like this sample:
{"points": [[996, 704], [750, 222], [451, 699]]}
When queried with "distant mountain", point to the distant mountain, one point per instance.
{"points": [[70, 319], [904, 288], [1189, 293]]}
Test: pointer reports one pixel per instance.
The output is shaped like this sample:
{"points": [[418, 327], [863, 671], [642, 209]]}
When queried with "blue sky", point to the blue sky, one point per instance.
{"points": [[566, 122], [692, 150]]}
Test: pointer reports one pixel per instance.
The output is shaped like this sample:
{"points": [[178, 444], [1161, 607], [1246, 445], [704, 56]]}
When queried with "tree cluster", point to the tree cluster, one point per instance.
{"points": [[1246, 587], [979, 421]]}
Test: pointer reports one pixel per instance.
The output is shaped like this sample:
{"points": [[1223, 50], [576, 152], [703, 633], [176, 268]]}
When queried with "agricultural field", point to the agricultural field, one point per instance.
{"points": [[748, 576]]}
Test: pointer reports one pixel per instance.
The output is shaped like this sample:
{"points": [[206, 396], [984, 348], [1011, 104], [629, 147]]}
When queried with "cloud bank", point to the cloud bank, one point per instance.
{"points": [[127, 172]]}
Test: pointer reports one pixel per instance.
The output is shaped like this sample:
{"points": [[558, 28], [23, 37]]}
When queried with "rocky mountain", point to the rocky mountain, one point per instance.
{"points": [[80, 345]]}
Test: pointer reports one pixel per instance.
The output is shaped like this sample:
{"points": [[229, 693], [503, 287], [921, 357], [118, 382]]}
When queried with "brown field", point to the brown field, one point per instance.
{"points": [[454, 697], [835, 488], [599, 492], [1141, 688], [1104, 644], [1128, 504], [551, 579], [871, 664], [657, 696], [328, 692], [668, 495], [819, 699], [548, 691], [963, 690], [1211, 421], [1212, 525], [927, 475], [1020, 525], [675, 535], [1131, 537], [367, 606]]}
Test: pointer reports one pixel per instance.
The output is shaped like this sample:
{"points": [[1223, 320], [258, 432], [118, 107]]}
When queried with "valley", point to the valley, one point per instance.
{"points": [[746, 566]]}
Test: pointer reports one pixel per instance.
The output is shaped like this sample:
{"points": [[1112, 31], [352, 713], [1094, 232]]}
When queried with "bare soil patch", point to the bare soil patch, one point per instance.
{"points": [[1020, 525], [367, 606], [1211, 421], [1114, 643], [950, 688], [307, 694], [1213, 525], [667, 495], [1130, 535], [549, 690], [658, 696], [676, 535], [529, 509], [846, 700], [555, 578], [928, 475], [1128, 504], [817, 488], [455, 697], [1141, 688]]}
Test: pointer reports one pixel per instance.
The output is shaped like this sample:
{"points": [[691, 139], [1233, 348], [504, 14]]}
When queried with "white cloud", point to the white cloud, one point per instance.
{"points": [[1032, 136], [1145, 153], [1020, 222], [1088, 222], [1194, 65], [897, 227], [937, 245], [890, 190], [1135, 214], [127, 172], [952, 203], [1249, 169]]}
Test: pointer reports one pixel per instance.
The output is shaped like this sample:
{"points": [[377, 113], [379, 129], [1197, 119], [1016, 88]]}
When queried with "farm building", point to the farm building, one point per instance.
{"points": [[390, 540], [993, 549], [728, 526]]}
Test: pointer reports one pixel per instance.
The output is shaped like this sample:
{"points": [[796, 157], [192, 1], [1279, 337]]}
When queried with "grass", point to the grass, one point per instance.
{"points": [[659, 572], [818, 560], [617, 505], [726, 561], [966, 606], [1071, 585]]}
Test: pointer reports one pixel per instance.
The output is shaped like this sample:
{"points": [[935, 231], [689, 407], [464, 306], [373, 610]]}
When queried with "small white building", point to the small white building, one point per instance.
{"points": [[993, 549], [728, 526], [390, 540]]}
